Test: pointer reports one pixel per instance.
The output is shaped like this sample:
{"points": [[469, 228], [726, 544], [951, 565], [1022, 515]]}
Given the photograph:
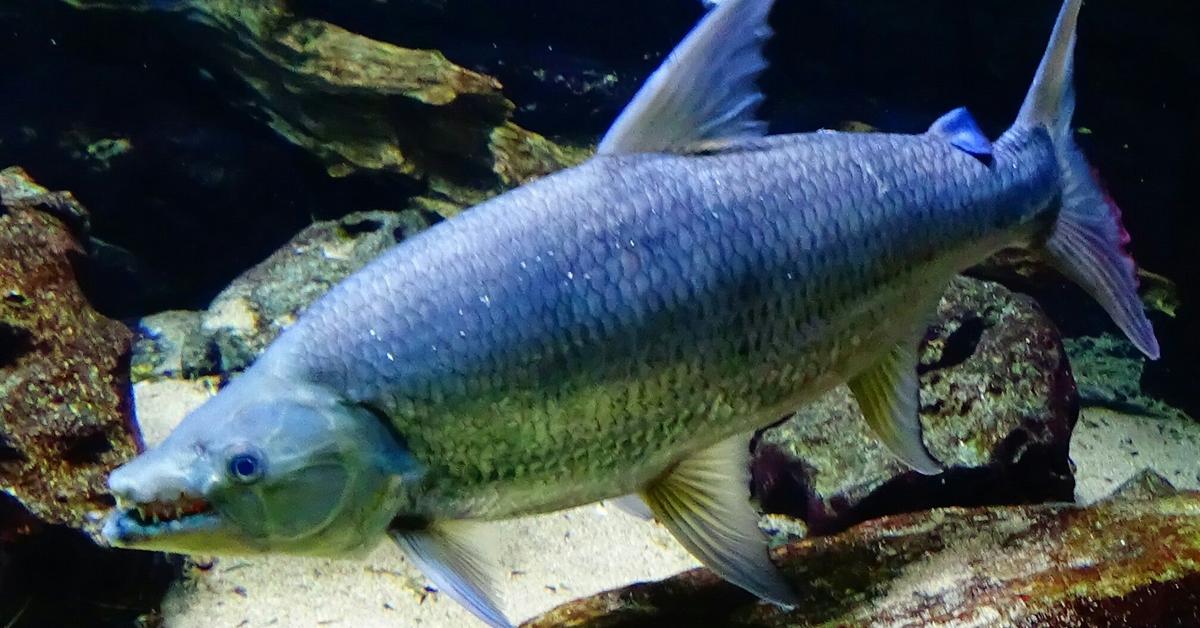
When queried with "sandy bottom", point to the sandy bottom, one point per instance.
{"points": [[554, 558], [1108, 448]]}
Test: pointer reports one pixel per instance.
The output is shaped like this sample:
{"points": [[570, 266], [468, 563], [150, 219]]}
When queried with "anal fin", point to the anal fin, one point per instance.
{"points": [[633, 505], [705, 503], [889, 395], [457, 557]]}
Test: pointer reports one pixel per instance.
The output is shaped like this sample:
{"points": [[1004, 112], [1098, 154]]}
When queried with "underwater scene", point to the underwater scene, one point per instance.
{"points": [[599, 313]]}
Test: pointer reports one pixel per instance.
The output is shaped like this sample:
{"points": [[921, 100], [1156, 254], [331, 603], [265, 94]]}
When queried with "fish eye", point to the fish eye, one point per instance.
{"points": [[246, 466]]}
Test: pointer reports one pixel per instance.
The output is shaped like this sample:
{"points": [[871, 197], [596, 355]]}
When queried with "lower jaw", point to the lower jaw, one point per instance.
{"points": [[123, 530]]}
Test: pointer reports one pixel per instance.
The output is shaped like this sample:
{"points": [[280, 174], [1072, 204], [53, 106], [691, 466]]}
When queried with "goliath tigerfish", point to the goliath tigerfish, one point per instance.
{"points": [[619, 329]]}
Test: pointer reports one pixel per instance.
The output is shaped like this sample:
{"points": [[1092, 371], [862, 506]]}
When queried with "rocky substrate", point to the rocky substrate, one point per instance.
{"points": [[64, 377]]}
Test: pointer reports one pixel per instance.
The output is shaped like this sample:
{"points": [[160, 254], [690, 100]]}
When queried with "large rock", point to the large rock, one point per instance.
{"points": [[998, 404], [1116, 563], [63, 368], [1109, 371], [64, 424]]}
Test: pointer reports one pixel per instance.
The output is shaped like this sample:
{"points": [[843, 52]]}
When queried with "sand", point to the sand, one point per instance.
{"points": [[1109, 448], [554, 558]]}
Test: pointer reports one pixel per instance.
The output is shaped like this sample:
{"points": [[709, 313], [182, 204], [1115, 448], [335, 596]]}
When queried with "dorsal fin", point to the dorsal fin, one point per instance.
{"points": [[962, 132], [705, 91]]}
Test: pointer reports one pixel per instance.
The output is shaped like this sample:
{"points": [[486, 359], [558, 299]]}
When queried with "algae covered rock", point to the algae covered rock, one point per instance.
{"points": [[64, 411], [998, 404], [171, 345], [251, 312], [1110, 372], [1120, 562]]}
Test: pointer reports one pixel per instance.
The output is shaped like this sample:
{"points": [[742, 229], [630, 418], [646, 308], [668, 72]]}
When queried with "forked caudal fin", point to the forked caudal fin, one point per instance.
{"points": [[1087, 241]]}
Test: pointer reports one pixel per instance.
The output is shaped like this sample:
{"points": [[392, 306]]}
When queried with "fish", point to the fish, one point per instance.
{"points": [[618, 330]]}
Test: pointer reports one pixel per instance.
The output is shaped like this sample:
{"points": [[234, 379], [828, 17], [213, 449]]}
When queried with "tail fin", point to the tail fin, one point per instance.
{"points": [[1087, 242]]}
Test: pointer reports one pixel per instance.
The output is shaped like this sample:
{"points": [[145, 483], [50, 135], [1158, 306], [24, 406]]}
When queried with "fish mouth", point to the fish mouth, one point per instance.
{"points": [[165, 512], [132, 523]]}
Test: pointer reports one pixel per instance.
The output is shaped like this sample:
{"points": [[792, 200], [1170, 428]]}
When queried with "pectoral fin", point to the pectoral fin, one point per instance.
{"points": [[457, 557], [705, 502], [889, 395]]}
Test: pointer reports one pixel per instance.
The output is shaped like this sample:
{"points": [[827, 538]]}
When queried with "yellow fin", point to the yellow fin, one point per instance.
{"points": [[889, 395], [705, 503]]}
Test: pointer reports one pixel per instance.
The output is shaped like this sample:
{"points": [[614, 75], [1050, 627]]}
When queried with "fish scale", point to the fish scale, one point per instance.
{"points": [[691, 283]]}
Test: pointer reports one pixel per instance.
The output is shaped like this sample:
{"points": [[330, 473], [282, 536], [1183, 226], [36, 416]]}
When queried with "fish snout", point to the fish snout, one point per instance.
{"points": [[150, 477]]}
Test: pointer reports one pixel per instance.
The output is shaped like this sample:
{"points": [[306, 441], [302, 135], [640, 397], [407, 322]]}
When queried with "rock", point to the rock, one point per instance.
{"points": [[1146, 485], [1109, 372], [170, 345], [1048, 565], [557, 60], [359, 105], [64, 388], [64, 424], [251, 312], [998, 404], [245, 317]]}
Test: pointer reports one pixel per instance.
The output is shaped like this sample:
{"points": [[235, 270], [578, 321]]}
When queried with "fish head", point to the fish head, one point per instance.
{"points": [[263, 467]]}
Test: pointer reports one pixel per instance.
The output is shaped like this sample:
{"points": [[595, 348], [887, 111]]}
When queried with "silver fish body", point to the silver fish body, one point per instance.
{"points": [[569, 340], [619, 329]]}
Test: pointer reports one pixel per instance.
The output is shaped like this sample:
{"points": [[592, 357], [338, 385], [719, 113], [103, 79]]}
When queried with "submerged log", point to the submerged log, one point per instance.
{"points": [[1120, 562]]}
